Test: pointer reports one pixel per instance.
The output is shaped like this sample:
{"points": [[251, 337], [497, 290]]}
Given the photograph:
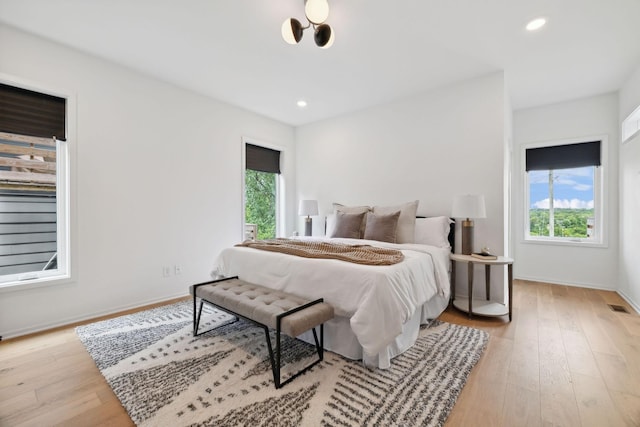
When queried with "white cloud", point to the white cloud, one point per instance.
{"points": [[561, 180], [565, 177], [582, 187], [575, 185], [564, 204]]}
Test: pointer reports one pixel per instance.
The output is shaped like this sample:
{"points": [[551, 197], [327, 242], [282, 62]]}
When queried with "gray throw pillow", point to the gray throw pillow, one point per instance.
{"points": [[348, 225], [382, 227], [337, 207]]}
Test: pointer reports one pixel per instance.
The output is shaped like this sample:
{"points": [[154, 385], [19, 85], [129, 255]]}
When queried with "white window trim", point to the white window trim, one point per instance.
{"points": [[280, 185], [631, 125], [65, 155], [600, 239]]}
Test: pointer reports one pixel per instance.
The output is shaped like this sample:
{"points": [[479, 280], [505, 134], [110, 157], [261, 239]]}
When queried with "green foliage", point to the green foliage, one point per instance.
{"points": [[567, 222], [260, 202]]}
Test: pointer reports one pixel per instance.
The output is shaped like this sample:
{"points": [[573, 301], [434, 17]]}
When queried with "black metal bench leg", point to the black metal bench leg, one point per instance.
{"points": [[194, 314], [278, 361], [276, 372], [196, 319], [319, 346], [321, 341]]}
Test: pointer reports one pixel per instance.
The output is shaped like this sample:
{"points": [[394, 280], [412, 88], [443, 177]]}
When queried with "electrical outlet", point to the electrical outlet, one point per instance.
{"points": [[166, 271], [177, 269]]}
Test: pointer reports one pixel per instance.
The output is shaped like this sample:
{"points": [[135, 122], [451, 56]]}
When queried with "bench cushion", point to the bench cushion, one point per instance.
{"points": [[263, 305]]}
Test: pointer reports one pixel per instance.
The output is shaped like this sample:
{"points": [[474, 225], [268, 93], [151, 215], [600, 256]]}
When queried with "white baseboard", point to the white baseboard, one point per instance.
{"points": [[560, 282], [86, 316], [625, 297]]}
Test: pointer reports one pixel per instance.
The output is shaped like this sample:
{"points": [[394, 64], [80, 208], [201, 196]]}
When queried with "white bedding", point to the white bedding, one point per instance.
{"points": [[378, 300]]}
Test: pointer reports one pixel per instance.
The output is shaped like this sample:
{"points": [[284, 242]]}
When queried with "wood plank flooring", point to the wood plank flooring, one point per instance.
{"points": [[566, 359]]}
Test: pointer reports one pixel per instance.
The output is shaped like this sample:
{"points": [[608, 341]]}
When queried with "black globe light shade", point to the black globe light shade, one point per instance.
{"points": [[292, 31], [323, 36]]}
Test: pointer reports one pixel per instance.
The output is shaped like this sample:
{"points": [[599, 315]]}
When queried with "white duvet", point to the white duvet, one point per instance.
{"points": [[378, 300]]}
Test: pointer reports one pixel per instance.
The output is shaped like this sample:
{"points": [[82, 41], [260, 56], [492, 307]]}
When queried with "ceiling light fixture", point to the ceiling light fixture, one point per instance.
{"points": [[536, 24], [301, 103], [316, 12]]}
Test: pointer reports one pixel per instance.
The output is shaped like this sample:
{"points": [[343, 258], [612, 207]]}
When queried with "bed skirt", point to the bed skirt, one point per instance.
{"points": [[339, 337]]}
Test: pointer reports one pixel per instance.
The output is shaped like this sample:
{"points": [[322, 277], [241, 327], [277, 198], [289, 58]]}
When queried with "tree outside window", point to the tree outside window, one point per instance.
{"points": [[260, 202]]}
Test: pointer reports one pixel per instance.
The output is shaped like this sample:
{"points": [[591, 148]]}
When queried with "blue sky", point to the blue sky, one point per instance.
{"points": [[573, 188]]}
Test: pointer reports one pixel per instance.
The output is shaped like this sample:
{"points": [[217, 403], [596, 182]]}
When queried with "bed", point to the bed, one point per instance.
{"points": [[379, 309]]}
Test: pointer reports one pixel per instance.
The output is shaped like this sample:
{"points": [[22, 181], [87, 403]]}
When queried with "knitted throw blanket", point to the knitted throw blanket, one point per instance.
{"points": [[359, 254]]}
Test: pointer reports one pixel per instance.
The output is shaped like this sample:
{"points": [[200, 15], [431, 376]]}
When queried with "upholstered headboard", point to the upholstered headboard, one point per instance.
{"points": [[452, 234]]}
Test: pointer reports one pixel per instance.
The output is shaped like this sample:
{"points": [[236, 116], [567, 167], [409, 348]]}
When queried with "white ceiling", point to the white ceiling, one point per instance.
{"points": [[232, 50]]}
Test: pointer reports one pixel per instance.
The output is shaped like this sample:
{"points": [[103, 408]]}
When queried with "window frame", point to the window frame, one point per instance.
{"points": [[631, 125], [600, 238], [63, 273]]}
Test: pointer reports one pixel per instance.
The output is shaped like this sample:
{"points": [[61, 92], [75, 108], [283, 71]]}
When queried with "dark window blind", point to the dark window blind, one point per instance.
{"points": [[25, 112], [563, 156], [262, 159]]}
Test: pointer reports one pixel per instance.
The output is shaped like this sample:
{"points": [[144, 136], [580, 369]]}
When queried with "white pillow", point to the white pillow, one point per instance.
{"points": [[405, 232], [350, 209], [330, 224], [433, 231]]}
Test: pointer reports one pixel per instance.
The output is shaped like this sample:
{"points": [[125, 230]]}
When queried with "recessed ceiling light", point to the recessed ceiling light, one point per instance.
{"points": [[302, 103], [536, 24]]}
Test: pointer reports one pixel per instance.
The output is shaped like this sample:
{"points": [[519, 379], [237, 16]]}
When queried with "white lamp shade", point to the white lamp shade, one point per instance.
{"points": [[469, 206], [308, 207], [317, 11]]}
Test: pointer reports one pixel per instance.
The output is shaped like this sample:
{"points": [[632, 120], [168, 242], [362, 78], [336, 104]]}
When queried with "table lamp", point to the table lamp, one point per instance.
{"points": [[308, 208], [468, 206]]}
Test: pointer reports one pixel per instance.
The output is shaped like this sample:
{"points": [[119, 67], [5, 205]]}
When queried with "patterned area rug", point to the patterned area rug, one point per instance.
{"points": [[165, 376]]}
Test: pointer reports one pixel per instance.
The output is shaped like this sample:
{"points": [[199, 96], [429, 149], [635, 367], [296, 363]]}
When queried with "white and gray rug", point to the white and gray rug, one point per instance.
{"points": [[165, 377]]}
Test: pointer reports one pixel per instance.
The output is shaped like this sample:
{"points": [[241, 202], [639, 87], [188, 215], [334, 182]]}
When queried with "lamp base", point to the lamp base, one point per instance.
{"points": [[307, 226], [467, 237]]}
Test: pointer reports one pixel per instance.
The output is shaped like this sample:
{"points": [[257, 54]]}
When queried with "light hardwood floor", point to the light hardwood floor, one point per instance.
{"points": [[566, 359]]}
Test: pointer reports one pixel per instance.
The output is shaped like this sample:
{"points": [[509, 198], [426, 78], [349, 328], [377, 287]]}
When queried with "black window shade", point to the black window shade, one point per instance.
{"points": [[563, 156], [262, 159], [25, 112]]}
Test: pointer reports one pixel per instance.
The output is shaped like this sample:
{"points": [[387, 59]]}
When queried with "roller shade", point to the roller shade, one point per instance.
{"points": [[25, 112], [563, 156], [262, 159]]}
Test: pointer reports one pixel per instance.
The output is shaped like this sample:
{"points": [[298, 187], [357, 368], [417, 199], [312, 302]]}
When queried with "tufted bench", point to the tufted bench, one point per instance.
{"points": [[268, 308]]}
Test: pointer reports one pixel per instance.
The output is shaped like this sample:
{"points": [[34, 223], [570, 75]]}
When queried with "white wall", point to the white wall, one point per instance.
{"points": [[156, 181], [629, 266], [430, 147], [508, 173], [572, 265]]}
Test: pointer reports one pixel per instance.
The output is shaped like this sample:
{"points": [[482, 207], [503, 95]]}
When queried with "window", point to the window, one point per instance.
{"points": [[563, 188], [261, 192], [33, 187], [631, 125]]}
